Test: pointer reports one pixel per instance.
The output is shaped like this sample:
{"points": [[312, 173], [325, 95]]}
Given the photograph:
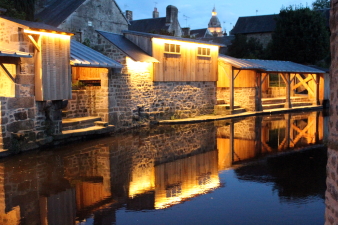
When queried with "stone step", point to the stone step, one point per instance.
{"points": [[225, 107], [298, 104], [228, 111], [273, 106], [101, 124], [79, 122], [220, 101], [270, 101]]}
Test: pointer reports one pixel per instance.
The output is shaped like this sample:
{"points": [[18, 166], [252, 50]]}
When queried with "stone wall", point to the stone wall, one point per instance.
{"points": [[95, 15], [331, 214], [263, 38], [244, 97]]}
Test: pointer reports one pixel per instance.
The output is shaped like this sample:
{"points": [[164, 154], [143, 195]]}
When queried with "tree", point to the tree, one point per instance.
{"points": [[19, 9], [243, 48], [321, 4], [300, 36]]}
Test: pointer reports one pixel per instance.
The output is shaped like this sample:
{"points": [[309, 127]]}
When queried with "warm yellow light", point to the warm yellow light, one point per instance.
{"points": [[142, 180], [7, 86], [192, 190], [138, 66], [184, 44], [52, 34], [214, 13]]}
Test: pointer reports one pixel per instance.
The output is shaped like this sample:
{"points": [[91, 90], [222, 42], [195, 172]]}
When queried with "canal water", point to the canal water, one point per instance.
{"points": [[254, 170]]}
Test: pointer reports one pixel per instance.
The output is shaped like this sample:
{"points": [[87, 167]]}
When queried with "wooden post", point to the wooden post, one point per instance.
{"points": [[288, 91], [316, 91], [287, 129], [232, 92]]}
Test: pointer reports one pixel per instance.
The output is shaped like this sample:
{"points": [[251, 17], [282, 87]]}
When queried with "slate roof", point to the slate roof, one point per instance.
{"points": [[126, 46], [150, 35], [35, 25], [81, 55], [60, 10], [265, 23], [198, 33], [269, 65], [255, 24], [149, 25], [225, 40], [14, 53]]}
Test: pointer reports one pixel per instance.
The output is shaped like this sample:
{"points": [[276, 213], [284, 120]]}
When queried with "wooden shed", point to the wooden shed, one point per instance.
{"points": [[51, 56], [258, 85]]}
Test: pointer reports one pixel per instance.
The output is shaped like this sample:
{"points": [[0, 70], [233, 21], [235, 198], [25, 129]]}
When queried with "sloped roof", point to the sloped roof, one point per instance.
{"points": [[58, 11], [149, 25], [255, 24], [81, 55], [126, 46], [34, 25], [225, 40], [150, 35], [198, 33], [269, 65], [14, 53]]}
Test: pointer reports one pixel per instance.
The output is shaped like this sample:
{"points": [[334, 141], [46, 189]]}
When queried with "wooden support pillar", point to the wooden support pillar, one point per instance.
{"points": [[232, 91], [258, 103], [316, 87], [288, 91], [258, 132], [292, 83]]}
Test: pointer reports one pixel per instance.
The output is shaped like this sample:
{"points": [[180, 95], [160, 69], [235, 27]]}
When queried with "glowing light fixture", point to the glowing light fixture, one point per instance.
{"points": [[46, 33]]}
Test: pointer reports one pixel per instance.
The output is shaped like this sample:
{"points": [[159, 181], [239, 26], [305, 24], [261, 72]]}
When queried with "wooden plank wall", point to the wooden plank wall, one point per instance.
{"points": [[186, 66], [141, 41], [87, 73], [245, 78], [56, 79]]}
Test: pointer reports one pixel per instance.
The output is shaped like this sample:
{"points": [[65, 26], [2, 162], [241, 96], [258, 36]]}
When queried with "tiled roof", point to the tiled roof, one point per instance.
{"points": [[269, 65], [126, 46], [198, 33], [82, 55], [149, 25]]}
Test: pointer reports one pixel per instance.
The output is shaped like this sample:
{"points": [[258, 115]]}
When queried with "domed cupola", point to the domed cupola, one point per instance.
{"points": [[214, 25]]}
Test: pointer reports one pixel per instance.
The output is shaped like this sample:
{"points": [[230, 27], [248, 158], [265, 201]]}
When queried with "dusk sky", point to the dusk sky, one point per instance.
{"points": [[199, 11]]}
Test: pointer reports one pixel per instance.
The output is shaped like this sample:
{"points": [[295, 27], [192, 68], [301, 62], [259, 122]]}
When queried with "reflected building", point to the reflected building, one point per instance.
{"points": [[153, 168]]}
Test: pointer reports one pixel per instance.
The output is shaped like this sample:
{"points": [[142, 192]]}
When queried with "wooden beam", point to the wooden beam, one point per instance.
{"points": [[309, 78], [7, 72], [305, 85], [266, 75], [36, 45], [232, 92]]}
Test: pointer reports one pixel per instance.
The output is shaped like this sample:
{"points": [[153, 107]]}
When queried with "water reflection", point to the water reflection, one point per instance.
{"points": [[153, 169]]}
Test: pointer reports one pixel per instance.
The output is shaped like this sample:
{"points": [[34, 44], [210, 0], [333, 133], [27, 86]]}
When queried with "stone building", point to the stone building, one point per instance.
{"points": [[159, 25], [163, 77], [261, 27], [34, 76], [82, 17]]}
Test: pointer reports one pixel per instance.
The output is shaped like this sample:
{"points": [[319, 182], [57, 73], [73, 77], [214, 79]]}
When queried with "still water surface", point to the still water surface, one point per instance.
{"points": [[256, 170]]}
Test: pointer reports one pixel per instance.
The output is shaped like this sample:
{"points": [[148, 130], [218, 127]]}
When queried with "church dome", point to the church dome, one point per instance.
{"points": [[214, 21]]}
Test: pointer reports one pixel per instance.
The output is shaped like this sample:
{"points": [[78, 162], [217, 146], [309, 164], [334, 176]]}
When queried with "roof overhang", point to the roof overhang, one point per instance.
{"points": [[14, 53]]}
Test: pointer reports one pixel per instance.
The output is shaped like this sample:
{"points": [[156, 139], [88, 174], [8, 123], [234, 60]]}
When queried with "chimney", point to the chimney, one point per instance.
{"points": [[156, 14], [172, 14], [129, 15], [186, 31]]}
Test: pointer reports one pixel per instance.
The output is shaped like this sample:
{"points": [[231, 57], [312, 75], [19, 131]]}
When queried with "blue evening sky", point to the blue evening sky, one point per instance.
{"points": [[197, 13]]}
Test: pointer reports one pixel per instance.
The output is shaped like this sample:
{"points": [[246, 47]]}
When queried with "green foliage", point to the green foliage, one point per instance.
{"points": [[86, 42], [321, 4], [243, 48], [78, 85], [19, 9], [300, 36]]}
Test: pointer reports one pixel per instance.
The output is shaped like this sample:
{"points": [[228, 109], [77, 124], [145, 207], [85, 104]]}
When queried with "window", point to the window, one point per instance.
{"points": [[172, 48], [203, 51], [275, 80]]}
